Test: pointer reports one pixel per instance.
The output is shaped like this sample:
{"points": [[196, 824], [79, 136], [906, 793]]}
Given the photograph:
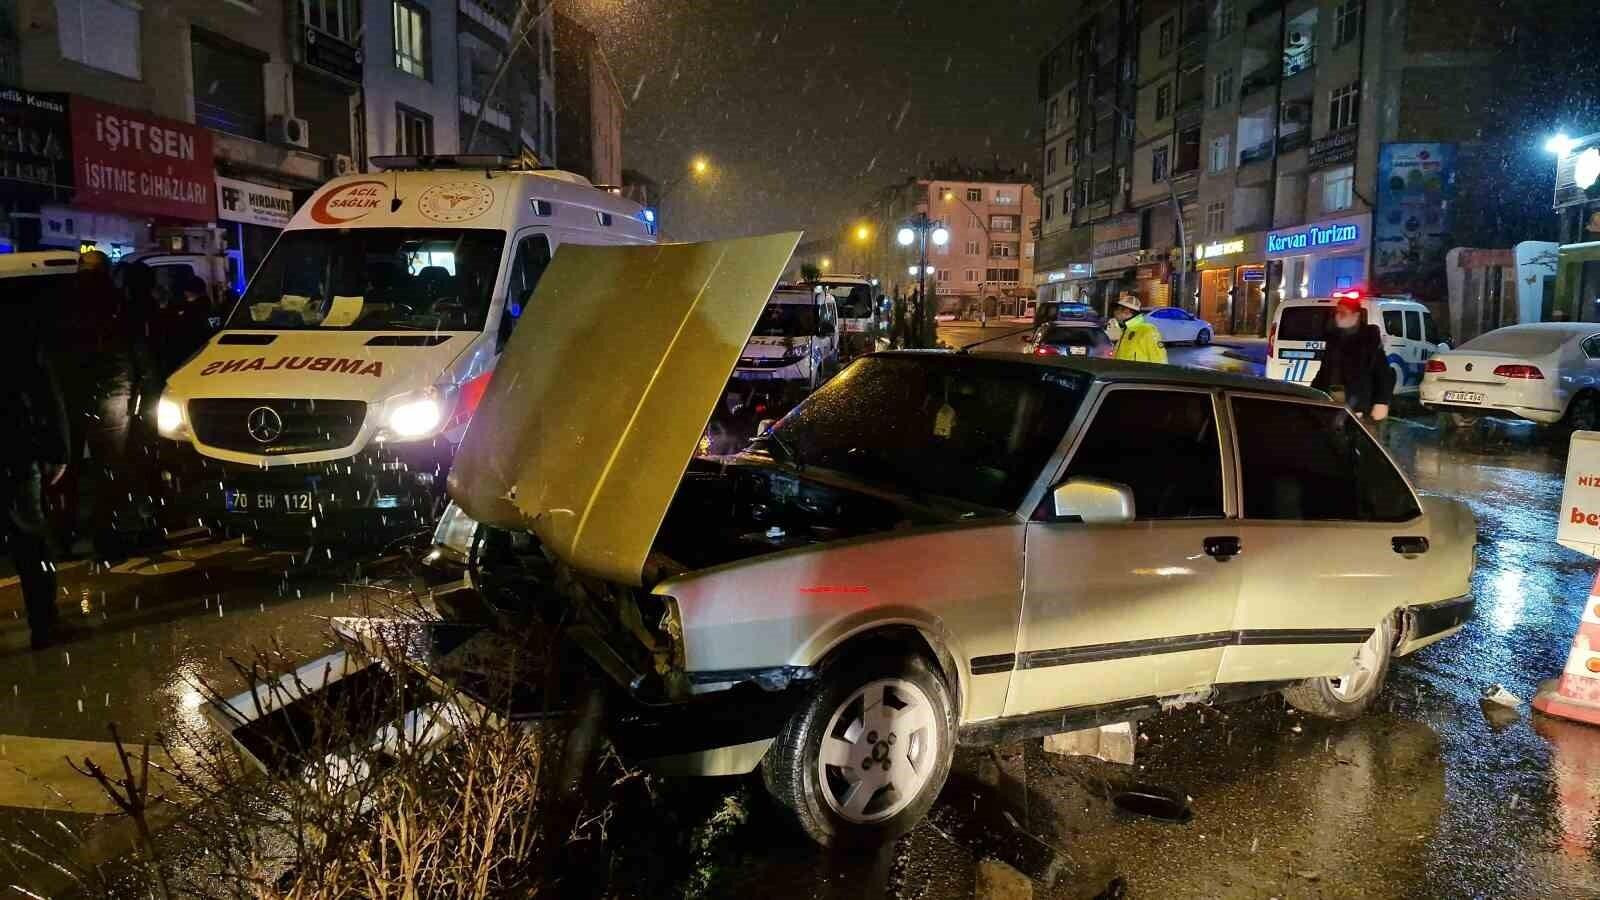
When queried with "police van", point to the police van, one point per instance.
{"points": [[854, 296], [340, 385], [1297, 337]]}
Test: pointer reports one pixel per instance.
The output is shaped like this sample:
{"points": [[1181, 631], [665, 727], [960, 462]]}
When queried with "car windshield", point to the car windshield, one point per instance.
{"points": [[372, 279], [787, 320], [1305, 323], [854, 300], [971, 430]]}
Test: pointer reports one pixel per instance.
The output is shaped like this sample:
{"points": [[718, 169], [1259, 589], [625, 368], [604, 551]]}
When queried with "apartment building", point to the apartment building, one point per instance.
{"points": [[1338, 145], [993, 216], [589, 105], [517, 115], [411, 96]]}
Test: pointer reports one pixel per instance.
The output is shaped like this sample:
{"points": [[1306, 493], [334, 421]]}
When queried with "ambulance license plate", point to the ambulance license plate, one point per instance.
{"points": [[1463, 397], [293, 502]]}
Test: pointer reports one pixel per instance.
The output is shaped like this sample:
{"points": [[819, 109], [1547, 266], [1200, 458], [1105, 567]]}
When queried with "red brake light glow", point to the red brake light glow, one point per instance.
{"points": [[1517, 370], [1435, 365], [1347, 295]]}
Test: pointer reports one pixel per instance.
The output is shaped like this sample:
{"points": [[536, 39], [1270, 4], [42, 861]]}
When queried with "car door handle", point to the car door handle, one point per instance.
{"points": [[1222, 549], [1410, 546]]}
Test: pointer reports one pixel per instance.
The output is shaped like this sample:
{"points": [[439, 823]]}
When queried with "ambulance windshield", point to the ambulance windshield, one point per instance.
{"points": [[374, 279]]}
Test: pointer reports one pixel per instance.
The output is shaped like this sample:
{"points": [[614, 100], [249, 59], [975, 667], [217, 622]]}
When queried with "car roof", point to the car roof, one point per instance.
{"points": [[1119, 371], [790, 296], [38, 262], [1328, 301]]}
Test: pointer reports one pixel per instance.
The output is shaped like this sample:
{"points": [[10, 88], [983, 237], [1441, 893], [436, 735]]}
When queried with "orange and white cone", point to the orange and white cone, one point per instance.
{"points": [[1576, 694]]}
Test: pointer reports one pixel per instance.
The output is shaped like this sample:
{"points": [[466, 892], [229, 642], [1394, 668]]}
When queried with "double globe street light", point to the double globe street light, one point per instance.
{"points": [[920, 230]]}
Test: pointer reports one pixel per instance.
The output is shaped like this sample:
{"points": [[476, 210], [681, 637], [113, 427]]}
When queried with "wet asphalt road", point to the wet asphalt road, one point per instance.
{"points": [[1425, 797]]}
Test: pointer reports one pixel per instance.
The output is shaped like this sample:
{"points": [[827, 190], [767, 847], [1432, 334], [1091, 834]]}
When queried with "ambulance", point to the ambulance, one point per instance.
{"points": [[335, 394]]}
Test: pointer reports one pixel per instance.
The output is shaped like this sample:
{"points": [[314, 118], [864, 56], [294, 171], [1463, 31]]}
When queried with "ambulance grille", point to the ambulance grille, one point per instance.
{"points": [[307, 425]]}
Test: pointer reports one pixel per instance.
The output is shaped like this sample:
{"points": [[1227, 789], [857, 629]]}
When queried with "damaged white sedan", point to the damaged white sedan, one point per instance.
{"points": [[933, 549]]}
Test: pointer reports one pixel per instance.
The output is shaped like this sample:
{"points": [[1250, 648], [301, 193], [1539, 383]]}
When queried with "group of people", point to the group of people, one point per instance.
{"points": [[77, 376], [1354, 371]]}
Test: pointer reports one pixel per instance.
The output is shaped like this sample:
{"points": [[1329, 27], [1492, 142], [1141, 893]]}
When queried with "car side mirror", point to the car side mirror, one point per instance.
{"points": [[1092, 501]]}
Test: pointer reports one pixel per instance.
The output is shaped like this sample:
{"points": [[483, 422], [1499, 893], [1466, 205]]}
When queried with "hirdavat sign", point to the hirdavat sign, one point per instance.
{"points": [[1318, 236]]}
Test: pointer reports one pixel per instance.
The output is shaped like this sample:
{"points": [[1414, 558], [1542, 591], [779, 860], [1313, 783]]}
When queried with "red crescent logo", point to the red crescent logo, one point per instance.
{"points": [[346, 203]]}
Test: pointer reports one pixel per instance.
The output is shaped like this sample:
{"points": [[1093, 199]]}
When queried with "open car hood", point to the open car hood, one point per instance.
{"points": [[604, 390]]}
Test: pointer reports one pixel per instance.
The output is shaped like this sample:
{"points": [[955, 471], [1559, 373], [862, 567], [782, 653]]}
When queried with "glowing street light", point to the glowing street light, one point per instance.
{"points": [[826, 263], [1559, 144], [941, 236], [700, 166], [905, 236], [863, 233]]}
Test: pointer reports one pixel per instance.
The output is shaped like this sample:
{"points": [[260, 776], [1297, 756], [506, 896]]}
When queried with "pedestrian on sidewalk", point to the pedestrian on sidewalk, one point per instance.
{"points": [[1139, 341], [1354, 369], [34, 455]]}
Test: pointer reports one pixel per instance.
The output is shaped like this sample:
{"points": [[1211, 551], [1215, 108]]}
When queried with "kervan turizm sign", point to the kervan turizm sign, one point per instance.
{"points": [[1311, 238]]}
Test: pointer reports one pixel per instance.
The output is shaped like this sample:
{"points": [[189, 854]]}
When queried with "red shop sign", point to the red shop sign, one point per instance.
{"points": [[136, 162]]}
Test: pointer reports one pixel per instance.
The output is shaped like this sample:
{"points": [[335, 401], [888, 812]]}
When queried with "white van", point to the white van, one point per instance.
{"points": [[340, 385], [1300, 327], [855, 296]]}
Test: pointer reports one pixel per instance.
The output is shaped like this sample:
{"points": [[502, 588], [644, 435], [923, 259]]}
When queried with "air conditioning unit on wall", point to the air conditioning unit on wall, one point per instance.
{"points": [[341, 164], [289, 131]]}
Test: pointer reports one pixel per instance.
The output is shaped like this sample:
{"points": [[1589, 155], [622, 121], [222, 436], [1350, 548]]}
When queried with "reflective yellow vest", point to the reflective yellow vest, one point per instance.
{"points": [[1140, 342]]}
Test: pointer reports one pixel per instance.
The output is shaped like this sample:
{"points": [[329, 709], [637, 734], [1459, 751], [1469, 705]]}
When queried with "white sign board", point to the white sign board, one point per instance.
{"points": [[1579, 527], [253, 204]]}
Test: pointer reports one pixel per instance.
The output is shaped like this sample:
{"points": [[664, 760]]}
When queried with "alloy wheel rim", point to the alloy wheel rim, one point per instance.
{"points": [[879, 751], [1355, 681]]}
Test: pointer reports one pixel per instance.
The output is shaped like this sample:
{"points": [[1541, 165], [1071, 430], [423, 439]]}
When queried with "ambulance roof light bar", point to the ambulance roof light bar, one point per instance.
{"points": [[489, 161]]}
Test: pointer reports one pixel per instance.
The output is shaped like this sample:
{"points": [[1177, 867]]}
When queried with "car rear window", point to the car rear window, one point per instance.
{"points": [[1518, 341], [1305, 323], [1315, 463], [1075, 337]]}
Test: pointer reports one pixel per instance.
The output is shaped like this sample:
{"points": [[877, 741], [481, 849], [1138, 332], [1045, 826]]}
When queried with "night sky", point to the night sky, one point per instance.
{"points": [[805, 108]]}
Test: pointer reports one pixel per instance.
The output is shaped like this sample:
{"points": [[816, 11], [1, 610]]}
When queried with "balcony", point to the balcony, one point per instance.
{"points": [[1294, 140], [486, 17], [1189, 112], [1261, 78], [1259, 153]]}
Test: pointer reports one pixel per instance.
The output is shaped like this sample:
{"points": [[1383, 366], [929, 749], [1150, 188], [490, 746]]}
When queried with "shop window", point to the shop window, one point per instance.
{"points": [[1338, 188], [411, 38], [100, 33], [229, 86]]}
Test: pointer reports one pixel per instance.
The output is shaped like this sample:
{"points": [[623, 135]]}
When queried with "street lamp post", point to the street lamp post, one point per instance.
{"points": [[919, 230]]}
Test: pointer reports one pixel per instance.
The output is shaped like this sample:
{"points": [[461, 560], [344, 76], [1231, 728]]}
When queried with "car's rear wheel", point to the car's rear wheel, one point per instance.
{"points": [[864, 759], [1351, 692], [1583, 413], [1203, 338]]}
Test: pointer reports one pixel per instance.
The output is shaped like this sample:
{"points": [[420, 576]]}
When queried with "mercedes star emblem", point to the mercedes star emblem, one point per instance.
{"points": [[1469, 367], [264, 424]]}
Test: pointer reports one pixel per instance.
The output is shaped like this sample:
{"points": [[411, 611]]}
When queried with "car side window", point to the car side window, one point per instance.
{"points": [[527, 267], [1394, 323], [1300, 461], [1430, 329], [1591, 347], [1161, 443], [1413, 325]]}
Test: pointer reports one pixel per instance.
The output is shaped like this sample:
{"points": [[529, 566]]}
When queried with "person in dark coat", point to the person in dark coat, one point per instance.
{"points": [[1355, 370], [185, 325], [100, 336], [34, 455]]}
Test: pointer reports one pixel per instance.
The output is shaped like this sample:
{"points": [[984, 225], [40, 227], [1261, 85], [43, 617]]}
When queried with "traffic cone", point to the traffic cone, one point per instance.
{"points": [[1576, 694]]}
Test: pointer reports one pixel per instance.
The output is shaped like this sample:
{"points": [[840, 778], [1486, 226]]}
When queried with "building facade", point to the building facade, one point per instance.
{"points": [[1309, 146], [507, 109], [589, 106], [993, 217], [411, 96]]}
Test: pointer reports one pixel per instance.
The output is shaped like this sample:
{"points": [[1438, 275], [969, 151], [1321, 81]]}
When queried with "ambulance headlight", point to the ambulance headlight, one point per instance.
{"points": [[415, 415], [169, 418]]}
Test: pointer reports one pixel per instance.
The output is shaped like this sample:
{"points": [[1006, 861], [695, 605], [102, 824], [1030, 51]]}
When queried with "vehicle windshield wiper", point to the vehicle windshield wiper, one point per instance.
{"points": [[793, 455]]}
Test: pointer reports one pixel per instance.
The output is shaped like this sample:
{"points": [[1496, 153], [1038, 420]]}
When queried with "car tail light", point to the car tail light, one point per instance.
{"points": [[1272, 338], [1518, 370], [1045, 350], [1435, 365]]}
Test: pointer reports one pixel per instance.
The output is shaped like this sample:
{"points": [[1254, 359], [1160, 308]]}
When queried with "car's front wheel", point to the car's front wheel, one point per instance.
{"points": [[1351, 692], [1203, 338], [864, 759]]}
